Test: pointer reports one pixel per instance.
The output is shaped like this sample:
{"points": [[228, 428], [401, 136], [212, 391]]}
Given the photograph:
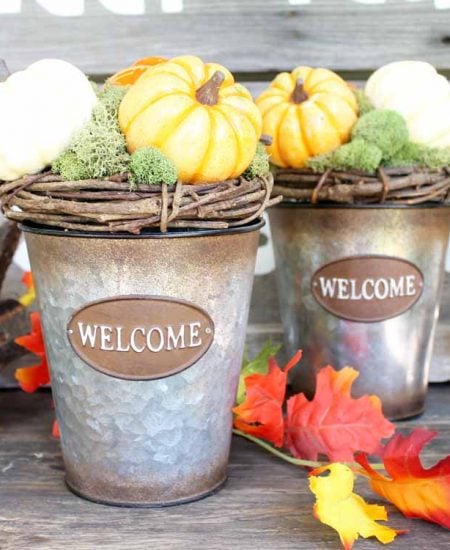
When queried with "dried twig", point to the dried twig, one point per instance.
{"points": [[405, 185], [109, 205]]}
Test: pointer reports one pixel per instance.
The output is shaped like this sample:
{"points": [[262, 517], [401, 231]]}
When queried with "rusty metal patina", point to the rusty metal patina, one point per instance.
{"points": [[392, 355], [145, 442]]}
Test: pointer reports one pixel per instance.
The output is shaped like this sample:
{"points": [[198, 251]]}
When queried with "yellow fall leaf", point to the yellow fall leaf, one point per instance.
{"points": [[343, 510], [30, 295], [28, 298]]}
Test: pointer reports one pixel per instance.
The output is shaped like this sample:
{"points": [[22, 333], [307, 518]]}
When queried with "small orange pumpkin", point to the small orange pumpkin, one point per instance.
{"points": [[197, 115], [129, 75], [307, 112]]}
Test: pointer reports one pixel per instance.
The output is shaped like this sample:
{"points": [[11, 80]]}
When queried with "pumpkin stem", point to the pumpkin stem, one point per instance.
{"points": [[265, 139], [208, 94], [299, 95]]}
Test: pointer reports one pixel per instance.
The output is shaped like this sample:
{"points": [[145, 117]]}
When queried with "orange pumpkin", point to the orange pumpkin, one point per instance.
{"points": [[128, 76], [196, 115], [307, 112]]}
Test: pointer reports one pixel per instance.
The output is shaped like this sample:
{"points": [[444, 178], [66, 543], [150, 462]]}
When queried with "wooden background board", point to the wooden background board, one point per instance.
{"points": [[250, 36], [265, 505]]}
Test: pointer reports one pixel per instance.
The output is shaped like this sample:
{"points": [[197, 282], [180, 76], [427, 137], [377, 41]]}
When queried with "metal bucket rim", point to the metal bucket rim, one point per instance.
{"points": [[385, 206], [29, 227]]}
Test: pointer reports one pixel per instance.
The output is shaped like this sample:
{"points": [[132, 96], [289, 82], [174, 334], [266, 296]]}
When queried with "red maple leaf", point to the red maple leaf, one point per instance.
{"points": [[261, 414], [334, 423], [31, 378], [417, 492]]}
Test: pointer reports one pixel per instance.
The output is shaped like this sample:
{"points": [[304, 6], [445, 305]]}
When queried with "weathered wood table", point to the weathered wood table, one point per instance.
{"points": [[265, 504]]}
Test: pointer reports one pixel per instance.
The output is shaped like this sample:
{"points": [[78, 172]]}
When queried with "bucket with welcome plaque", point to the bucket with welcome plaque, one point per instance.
{"points": [[145, 336], [360, 238], [361, 287], [142, 240]]}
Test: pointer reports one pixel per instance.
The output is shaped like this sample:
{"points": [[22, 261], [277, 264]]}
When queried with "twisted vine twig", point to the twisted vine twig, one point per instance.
{"points": [[109, 205], [405, 185]]}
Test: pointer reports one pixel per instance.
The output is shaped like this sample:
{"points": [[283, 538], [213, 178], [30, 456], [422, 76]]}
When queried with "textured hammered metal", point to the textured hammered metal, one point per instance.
{"points": [[153, 442], [392, 356]]}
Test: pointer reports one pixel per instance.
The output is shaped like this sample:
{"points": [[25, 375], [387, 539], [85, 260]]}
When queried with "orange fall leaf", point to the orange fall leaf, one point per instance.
{"points": [[31, 378], [129, 75], [417, 492]]}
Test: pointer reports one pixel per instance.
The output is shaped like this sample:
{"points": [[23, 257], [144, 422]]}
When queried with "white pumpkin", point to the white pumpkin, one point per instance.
{"points": [[416, 91], [40, 110]]}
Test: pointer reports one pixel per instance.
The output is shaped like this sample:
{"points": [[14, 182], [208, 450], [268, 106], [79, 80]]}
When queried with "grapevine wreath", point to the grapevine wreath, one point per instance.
{"points": [[162, 144], [334, 143]]}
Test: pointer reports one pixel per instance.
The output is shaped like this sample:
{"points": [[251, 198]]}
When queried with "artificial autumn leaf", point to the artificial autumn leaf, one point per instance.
{"points": [[261, 414], [28, 298], [334, 423], [129, 75], [33, 341], [258, 365], [417, 492], [31, 378], [55, 429], [343, 510], [27, 279]]}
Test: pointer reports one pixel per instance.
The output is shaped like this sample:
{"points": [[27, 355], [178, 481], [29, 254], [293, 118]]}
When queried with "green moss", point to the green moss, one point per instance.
{"points": [[358, 155], [380, 137], [435, 158], [70, 168], [385, 129], [364, 104], [99, 148], [376, 137], [406, 156], [413, 154], [260, 164], [321, 163], [148, 165]]}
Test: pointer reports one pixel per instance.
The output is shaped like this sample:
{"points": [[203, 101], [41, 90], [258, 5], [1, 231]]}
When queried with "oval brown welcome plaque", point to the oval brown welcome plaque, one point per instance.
{"points": [[140, 337], [367, 288]]}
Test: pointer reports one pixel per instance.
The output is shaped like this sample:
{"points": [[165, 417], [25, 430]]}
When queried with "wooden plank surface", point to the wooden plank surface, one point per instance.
{"points": [[261, 36], [265, 504]]}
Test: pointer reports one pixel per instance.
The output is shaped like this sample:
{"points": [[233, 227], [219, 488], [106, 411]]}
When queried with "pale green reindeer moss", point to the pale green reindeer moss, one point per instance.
{"points": [[99, 148], [111, 96]]}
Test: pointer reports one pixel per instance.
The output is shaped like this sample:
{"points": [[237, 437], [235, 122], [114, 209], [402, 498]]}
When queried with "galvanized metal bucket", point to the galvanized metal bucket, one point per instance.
{"points": [[360, 286], [145, 337]]}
